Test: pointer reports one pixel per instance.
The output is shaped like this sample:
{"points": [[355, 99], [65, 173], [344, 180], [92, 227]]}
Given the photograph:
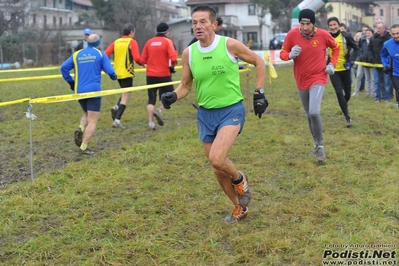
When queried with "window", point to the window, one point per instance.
{"points": [[70, 21], [252, 36], [397, 12], [45, 20], [60, 1], [34, 18], [381, 12], [251, 10], [54, 21], [68, 4], [60, 21]]}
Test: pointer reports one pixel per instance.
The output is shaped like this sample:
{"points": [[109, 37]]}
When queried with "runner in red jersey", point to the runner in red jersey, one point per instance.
{"points": [[159, 56], [307, 46]]}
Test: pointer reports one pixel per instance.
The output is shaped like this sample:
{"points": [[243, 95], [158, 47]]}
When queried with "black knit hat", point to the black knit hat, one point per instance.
{"points": [[162, 27], [332, 19], [307, 15], [219, 20]]}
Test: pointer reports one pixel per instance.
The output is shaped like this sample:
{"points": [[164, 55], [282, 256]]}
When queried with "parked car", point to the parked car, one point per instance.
{"points": [[279, 40]]}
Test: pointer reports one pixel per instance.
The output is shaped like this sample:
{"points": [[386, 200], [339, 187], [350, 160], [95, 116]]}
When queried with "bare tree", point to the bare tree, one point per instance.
{"points": [[12, 15], [139, 12]]}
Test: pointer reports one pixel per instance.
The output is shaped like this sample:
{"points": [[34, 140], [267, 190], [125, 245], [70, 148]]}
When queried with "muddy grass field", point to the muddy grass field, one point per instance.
{"points": [[53, 129], [53, 143]]}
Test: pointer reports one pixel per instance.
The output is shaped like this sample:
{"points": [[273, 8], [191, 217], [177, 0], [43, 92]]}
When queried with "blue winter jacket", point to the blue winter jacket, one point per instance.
{"points": [[87, 64], [390, 55]]}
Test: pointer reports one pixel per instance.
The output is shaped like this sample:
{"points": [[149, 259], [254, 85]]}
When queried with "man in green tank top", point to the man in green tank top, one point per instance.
{"points": [[212, 63]]}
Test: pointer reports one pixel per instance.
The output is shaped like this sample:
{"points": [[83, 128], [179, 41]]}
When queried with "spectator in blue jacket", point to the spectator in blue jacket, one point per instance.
{"points": [[390, 60], [87, 64]]}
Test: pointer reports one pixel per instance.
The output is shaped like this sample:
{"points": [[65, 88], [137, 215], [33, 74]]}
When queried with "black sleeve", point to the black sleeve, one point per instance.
{"points": [[193, 41], [351, 43], [79, 46], [370, 52]]}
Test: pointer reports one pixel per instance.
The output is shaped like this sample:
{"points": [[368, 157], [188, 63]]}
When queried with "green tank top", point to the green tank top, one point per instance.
{"points": [[215, 75]]}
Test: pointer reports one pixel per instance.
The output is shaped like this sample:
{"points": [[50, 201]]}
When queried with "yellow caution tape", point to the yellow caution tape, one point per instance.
{"points": [[60, 76], [29, 69], [15, 102], [270, 66], [39, 68], [71, 97], [31, 78], [368, 64]]}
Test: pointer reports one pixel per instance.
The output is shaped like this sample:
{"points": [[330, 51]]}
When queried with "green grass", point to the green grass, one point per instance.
{"points": [[151, 198]]}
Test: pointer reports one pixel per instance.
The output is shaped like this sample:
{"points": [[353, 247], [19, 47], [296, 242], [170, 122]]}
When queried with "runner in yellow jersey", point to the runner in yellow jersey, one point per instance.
{"points": [[126, 52]]}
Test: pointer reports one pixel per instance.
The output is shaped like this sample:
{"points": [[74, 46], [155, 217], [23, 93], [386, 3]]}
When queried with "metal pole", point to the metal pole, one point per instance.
{"points": [[31, 141], [1, 54], [23, 54], [248, 91]]}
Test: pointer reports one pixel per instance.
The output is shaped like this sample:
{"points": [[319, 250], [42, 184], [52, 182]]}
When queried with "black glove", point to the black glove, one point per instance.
{"points": [[172, 70], [168, 98], [387, 69], [72, 85], [260, 104]]}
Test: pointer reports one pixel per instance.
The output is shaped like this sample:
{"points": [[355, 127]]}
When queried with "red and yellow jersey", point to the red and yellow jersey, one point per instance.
{"points": [[126, 52], [310, 64]]}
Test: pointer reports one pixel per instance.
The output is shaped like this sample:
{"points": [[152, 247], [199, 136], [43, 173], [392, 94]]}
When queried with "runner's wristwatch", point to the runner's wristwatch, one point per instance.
{"points": [[260, 91]]}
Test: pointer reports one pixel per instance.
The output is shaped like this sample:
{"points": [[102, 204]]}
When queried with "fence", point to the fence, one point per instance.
{"points": [[34, 54]]}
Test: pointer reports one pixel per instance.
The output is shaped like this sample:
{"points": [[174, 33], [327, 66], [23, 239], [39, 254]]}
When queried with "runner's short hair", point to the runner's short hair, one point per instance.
{"points": [[127, 28]]}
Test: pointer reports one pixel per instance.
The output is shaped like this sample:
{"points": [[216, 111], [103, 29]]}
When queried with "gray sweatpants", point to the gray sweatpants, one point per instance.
{"points": [[311, 102]]}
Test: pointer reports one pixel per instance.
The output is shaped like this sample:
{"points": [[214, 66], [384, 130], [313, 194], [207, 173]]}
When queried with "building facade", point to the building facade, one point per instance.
{"points": [[241, 21], [387, 11]]}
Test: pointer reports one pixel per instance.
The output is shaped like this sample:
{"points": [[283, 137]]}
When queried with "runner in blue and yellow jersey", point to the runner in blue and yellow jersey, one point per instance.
{"points": [[126, 52], [212, 63], [87, 64]]}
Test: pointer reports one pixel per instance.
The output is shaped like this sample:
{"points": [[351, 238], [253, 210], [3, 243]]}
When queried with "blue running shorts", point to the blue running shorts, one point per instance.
{"points": [[210, 121], [90, 104]]}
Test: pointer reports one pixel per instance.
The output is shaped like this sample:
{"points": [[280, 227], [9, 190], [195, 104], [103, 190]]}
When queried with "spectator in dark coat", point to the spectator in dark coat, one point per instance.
{"points": [[374, 49]]}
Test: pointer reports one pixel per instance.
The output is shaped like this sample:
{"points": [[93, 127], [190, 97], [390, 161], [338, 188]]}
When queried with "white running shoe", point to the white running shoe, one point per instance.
{"points": [[151, 125], [320, 154], [117, 124]]}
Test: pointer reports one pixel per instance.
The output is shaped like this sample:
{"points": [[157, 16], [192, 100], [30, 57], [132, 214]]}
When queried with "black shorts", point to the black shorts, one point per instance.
{"points": [[152, 93], [125, 83]]}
